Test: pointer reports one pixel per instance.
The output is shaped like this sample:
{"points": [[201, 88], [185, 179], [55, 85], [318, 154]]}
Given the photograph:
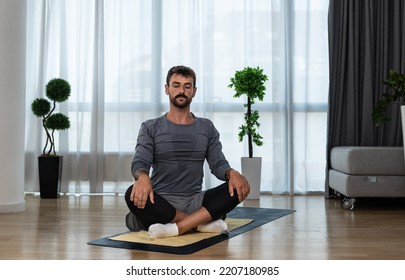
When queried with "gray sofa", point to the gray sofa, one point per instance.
{"points": [[366, 172]]}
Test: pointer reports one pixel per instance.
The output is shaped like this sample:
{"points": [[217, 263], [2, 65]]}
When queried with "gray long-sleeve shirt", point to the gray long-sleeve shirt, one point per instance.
{"points": [[176, 154]]}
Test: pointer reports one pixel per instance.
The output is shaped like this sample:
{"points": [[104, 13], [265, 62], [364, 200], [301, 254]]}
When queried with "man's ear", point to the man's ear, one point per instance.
{"points": [[166, 89], [194, 91]]}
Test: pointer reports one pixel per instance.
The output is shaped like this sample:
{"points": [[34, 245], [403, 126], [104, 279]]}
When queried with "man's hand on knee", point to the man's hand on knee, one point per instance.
{"points": [[239, 183], [142, 191]]}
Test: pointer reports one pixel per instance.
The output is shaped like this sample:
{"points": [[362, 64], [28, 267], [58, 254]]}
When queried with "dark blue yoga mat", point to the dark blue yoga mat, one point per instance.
{"points": [[260, 216]]}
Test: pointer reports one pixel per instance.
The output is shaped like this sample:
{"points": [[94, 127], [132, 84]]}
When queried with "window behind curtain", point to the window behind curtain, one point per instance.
{"points": [[116, 55]]}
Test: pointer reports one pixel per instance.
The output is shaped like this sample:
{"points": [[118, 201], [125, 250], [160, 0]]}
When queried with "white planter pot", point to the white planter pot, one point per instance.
{"points": [[403, 125], [252, 170]]}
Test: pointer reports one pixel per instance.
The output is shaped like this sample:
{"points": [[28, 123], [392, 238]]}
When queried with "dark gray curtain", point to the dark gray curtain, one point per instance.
{"points": [[366, 40]]}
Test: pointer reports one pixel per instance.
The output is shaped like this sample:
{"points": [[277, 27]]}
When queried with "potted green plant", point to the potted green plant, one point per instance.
{"points": [[250, 82], [396, 82], [49, 163]]}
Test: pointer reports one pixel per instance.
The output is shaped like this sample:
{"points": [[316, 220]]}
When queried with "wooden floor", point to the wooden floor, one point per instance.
{"points": [[320, 229]]}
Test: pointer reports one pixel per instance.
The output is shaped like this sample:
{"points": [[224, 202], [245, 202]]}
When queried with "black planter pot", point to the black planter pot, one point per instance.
{"points": [[50, 174]]}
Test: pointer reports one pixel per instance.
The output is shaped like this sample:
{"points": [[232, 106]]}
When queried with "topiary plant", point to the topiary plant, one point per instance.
{"points": [[250, 82], [57, 90]]}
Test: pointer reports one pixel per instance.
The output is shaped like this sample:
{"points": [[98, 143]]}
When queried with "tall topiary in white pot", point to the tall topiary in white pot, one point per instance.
{"points": [[250, 82]]}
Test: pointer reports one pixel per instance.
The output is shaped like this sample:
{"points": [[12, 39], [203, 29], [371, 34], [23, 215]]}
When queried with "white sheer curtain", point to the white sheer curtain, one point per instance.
{"points": [[116, 54]]}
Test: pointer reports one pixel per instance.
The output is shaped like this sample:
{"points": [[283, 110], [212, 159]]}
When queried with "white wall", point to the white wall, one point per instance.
{"points": [[12, 104]]}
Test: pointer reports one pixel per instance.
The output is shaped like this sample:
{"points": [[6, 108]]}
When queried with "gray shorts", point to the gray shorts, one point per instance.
{"points": [[185, 203]]}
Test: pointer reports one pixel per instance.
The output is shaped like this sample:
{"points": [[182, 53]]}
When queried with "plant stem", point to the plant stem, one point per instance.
{"points": [[249, 126], [53, 142], [47, 135]]}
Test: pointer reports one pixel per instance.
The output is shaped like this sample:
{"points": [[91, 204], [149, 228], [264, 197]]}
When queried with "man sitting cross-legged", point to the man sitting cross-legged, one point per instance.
{"points": [[175, 146]]}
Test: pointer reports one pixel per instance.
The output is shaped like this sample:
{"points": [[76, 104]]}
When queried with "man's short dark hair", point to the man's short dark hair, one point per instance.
{"points": [[181, 70]]}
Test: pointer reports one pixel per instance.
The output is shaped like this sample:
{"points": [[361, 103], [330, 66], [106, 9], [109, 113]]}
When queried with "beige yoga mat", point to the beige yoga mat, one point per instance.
{"points": [[178, 241]]}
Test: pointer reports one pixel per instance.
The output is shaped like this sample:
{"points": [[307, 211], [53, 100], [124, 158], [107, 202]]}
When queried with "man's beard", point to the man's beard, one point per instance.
{"points": [[183, 104]]}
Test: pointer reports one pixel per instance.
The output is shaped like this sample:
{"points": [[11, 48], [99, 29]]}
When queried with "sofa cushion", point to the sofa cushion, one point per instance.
{"points": [[368, 160]]}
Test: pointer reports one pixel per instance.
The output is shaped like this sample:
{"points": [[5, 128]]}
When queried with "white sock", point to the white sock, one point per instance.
{"points": [[218, 226], [162, 230]]}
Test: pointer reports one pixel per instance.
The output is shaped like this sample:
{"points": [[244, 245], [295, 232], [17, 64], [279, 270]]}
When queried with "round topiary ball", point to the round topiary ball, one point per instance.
{"points": [[57, 121], [40, 107], [58, 90]]}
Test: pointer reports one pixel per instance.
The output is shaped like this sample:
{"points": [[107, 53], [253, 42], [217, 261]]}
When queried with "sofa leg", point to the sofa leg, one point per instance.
{"points": [[348, 203]]}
